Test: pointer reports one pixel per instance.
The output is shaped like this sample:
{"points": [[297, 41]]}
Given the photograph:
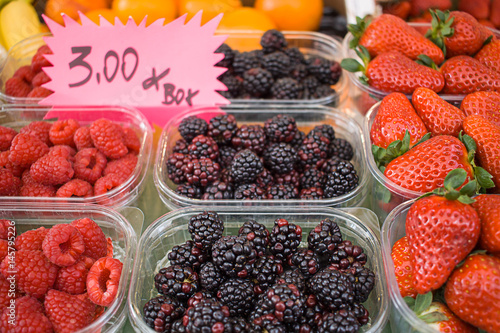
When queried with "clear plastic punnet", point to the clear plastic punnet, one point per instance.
{"points": [[172, 229], [306, 118]]}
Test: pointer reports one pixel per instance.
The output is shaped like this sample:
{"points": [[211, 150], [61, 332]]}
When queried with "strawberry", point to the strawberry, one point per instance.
{"points": [[390, 33], [489, 55], [403, 268], [479, 9], [487, 207], [464, 75], [399, 9], [451, 324], [418, 7], [483, 103], [495, 13], [473, 292], [487, 137], [439, 116]]}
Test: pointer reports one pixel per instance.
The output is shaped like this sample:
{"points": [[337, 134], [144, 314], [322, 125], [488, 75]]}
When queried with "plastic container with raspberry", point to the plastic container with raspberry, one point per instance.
{"points": [[83, 154], [61, 253]]}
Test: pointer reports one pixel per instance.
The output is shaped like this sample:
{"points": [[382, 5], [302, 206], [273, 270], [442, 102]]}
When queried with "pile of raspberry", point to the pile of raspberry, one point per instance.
{"points": [[27, 81], [277, 71], [59, 279], [64, 159], [261, 281]]}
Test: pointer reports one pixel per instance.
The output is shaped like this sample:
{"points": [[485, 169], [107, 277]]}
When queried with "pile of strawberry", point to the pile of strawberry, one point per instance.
{"points": [[64, 277], [27, 81], [451, 253], [64, 159], [398, 58]]}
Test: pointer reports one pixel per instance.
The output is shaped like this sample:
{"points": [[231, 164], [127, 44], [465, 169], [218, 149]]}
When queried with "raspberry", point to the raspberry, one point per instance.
{"points": [[109, 253], [31, 240], [62, 131], [63, 151], [4, 248], [7, 229], [16, 170], [89, 164], [7, 134], [52, 170], [40, 92], [73, 279], [17, 87], [35, 274], [103, 281], [82, 138], [4, 293], [63, 245], [9, 185], [96, 245], [67, 318], [75, 188], [37, 190], [40, 79], [28, 317], [108, 138], [40, 129], [25, 73], [26, 149], [131, 140], [38, 61], [106, 184], [123, 167]]}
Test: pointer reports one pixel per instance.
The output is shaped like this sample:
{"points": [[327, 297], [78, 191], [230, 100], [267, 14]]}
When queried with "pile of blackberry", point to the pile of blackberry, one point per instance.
{"points": [[261, 280], [222, 160], [277, 72]]}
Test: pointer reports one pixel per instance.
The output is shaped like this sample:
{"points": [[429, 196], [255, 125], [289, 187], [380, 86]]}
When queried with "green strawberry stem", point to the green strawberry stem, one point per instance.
{"points": [[422, 303], [440, 28], [483, 177], [426, 61], [357, 30]]}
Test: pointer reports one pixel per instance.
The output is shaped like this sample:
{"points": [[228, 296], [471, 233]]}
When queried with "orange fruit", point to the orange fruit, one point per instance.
{"points": [[246, 18], [107, 13], [54, 8], [211, 8], [293, 14], [138, 9]]}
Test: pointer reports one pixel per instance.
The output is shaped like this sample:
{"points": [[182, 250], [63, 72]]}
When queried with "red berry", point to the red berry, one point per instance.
{"points": [[40, 79], [25, 73], [66, 318], [63, 151], [40, 92], [109, 253], [26, 149], [108, 138], [75, 188], [73, 279], [35, 273], [29, 317], [9, 184], [106, 184], [38, 61], [96, 245], [38, 190], [123, 167], [82, 138], [62, 131], [63, 245], [103, 281], [52, 170], [6, 293], [40, 129], [17, 87], [7, 229], [16, 170], [131, 140], [89, 164], [31, 239], [7, 134], [4, 248]]}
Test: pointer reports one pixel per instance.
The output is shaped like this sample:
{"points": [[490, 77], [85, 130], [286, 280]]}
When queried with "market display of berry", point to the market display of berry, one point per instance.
{"points": [[277, 72], [274, 161], [261, 281], [65, 276]]}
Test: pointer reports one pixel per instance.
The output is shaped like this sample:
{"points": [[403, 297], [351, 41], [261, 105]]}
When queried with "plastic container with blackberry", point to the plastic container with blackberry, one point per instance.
{"points": [[291, 285], [258, 156]]}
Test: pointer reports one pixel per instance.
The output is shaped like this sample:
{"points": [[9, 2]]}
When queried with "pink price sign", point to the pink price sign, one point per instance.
{"points": [[161, 69]]}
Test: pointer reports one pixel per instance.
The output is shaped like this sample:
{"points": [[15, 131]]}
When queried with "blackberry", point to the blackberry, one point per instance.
{"points": [[187, 254], [341, 148], [191, 127], [250, 137], [210, 277], [312, 193], [347, 255], [312, 313], [322, 91], [238, 295], [204, 147], [249, 192], [298, 139], [282, 192], [227, 62], [177, 281], [245, 61], [313, 152], [363, 281], [246, 166], [266, 271], [280, 128], [190, 191], [272, 41], [285, 302], [331, 164], [198, 297], [257, 82], [181, 146], [286, 88], [332, 289], [267, 324], [225, 93], [226, 155], [207, 316], [233, 83], [234, 256], [340, 321], [202, 172], [292, 178], [218, 191], [257, 234], [264, 179], [280, 158], [306, 261], [239, 325], [205, 229], [277, 63], [178, 327], [175, 167], [161, 312], [361, 313], [293, 276], [296, 57], [324, 238], [284, 239], [312, 178], [341, 181], [326, 71], [325, 130], [298, 73], [310, 83], [226, 176], [222, 128]]}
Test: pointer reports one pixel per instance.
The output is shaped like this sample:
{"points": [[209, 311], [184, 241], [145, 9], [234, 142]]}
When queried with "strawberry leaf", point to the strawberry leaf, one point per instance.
{"points": [[484, 178], [454, 179], [426, 61], [357, 30], [352, 65], [469, 142], [465, 199], [426, 137], [363, 54], [488, 40], [469, 189], [433, 317], [422, 302], [410, 301], [440, 28]]}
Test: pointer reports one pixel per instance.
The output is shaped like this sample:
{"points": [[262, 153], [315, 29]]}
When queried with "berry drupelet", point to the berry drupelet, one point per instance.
{"points": [[293, 276], [190, 191], [306, 261], [257, 82], [272, 41], [257, 234], [161, 312], [280, 158], [264, 179], [205, 229], [204, 147], [277, 63], [311, 193], [342, 148], [207, 316], [191, 127], [222, 128], [332, 289], [175, 167], [312, 177], [343, 179], [347, 255], [324, 238], [177, 281], [202, 172], [234, 256], [246, 166], [284, 239], [226, 156], [249, 192], [266, 271], [340, 321], [280, 128], [286, 88], [250, 137], [218, 190], [187, 254], [238, 295], [198, 297], [282, 192], [211, 277]]}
